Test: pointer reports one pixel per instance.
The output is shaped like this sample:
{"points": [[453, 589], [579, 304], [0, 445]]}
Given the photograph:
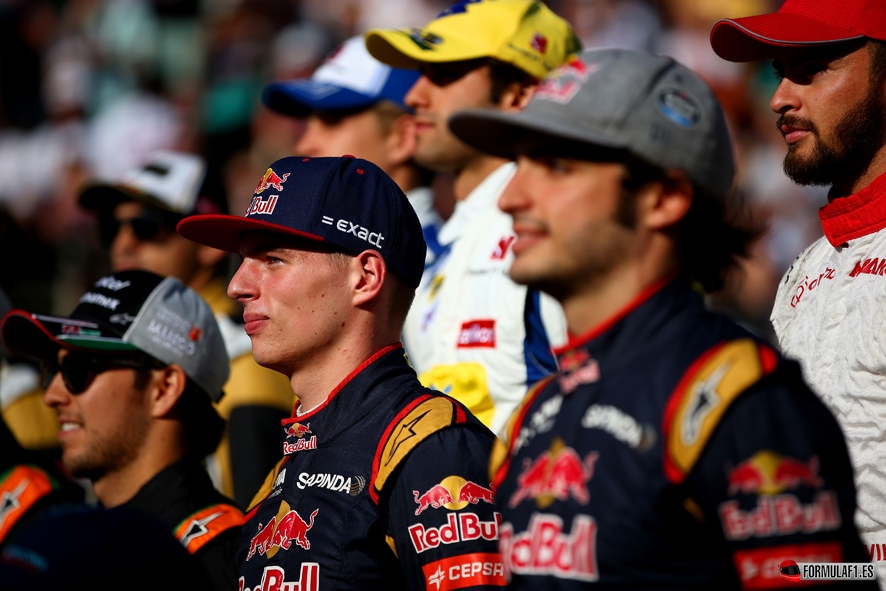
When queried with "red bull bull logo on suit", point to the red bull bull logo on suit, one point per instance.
{"points": [[453, 493], [280, 532], [555, 475]]}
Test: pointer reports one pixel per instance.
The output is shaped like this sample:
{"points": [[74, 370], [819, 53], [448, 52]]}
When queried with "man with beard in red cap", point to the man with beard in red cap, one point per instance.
{"points": [[830, 58]]}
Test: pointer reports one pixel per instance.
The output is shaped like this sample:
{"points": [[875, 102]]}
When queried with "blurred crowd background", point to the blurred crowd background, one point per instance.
{"points": [[89, 87]]}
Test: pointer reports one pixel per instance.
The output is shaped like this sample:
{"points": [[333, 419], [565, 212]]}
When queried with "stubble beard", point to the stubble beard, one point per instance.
{"points": [[110, 454], [858, 136]]}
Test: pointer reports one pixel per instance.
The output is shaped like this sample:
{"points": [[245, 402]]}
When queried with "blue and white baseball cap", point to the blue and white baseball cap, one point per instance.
{"points": [[347, 202], [350, 78]]}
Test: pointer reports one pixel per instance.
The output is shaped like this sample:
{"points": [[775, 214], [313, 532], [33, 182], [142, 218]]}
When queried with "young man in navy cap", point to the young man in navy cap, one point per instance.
{"points": [[135, 370], [354, 104], [383, 483], [137, 214], [830, 57], [674, 449]]}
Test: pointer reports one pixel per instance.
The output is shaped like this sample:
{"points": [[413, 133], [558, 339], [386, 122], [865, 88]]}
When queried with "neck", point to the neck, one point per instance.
{"points": [[315, 378], [595, 303], [157, 452], [874, 170], [473, 174]]}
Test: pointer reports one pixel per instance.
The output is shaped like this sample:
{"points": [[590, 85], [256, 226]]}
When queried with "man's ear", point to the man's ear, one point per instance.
{"points": [[401, 140], [516, 96], [664, 203], [369, 273], [167, 386]]}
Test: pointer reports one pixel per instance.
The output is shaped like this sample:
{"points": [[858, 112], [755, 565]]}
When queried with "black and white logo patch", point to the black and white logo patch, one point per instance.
{"points": [[352, 485], [679, 107]]}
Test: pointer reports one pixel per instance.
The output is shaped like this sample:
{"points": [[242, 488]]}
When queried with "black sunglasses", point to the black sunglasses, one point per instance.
{"points": [[78, 369], [148, 227], [445, 73]]}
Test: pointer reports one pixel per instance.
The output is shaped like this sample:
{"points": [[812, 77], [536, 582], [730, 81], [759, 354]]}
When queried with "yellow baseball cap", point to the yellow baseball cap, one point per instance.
{"points": [[524, 33]]}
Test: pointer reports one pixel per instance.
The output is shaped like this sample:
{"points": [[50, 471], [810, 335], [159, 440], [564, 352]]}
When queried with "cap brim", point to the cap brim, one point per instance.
{"points": [[397, 48], [225, 232], [506, 134], [104, 197], [762, 37], [298, 98], [40, 337]]}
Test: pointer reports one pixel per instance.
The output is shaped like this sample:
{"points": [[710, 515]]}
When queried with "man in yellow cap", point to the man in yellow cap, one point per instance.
{"points": [[472, 332]]}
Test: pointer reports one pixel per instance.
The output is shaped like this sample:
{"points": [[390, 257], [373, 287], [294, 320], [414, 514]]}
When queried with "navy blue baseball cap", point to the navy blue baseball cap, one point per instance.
{"points": [[350, 78], [347, 202]]}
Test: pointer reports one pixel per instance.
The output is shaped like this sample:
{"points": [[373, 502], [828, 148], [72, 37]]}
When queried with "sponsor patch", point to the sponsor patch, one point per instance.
{"points": [[758, 569], [260, 206], [780, 515], [298, 430], [620, 425], [111, 283], [299, 445], [202, 527], [808, 285], [541, 421], [769, 473], [679, 107], [453, 493], [348, 227], [467, 570], [273, 578], [539, 43], [546, 550], [353, 485], [270, 179], [280, 532], [461, 527], [97, 299], [869, 267], [557, 474], [20, 488], [501, 249], [477, 333]]}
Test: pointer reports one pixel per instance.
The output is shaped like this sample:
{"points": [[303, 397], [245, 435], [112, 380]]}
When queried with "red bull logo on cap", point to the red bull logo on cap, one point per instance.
{"points": [[280, 532], [260, 206], [453, 493], [271, 179], [556, 475]]}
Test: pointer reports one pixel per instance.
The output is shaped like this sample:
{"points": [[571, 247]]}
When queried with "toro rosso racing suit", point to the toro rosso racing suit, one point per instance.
{"points": [[828, 315], [673, 450], [383, 486]]}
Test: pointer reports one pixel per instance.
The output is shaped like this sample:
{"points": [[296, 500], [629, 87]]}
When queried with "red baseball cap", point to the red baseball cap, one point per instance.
{"points": [[798, 23]]}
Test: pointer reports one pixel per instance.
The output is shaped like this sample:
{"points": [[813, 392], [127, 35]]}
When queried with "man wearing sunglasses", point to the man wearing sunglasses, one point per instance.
{"points": [[137, 216], [353, 104], [135, 371], [473, 333]]}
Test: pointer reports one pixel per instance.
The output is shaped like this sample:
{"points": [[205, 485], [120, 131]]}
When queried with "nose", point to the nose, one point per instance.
{"points": [[785, 97], [417, 97], [515, 198], [243, 286], [56, 394], [123, 245]]}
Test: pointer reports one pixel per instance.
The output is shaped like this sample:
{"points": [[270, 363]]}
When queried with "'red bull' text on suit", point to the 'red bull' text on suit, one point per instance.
{"points": [[384, 486]]}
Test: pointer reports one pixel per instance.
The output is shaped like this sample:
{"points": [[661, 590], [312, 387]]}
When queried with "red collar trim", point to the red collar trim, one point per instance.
{"points": [[577, 341], [847, 218], [295, 418]]}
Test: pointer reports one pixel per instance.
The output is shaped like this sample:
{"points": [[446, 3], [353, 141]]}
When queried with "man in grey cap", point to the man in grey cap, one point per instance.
{"points": [[135, 370], [673, 449]]}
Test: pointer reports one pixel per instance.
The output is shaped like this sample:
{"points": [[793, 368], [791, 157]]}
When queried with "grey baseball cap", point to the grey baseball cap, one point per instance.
{"points": [[131, 311], [609, 101]]}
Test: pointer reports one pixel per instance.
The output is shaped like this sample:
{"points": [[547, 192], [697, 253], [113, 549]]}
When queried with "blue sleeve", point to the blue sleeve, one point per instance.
{"points": [[775, 482], [442, 517]]}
